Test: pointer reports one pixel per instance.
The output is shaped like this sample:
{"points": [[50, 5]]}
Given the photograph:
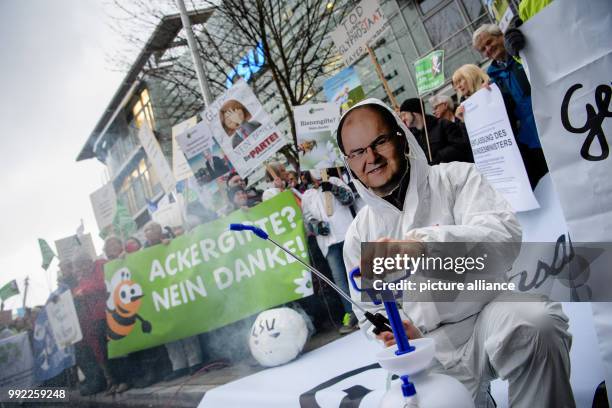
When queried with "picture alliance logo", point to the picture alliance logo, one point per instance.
{"points": [[122, 305]]}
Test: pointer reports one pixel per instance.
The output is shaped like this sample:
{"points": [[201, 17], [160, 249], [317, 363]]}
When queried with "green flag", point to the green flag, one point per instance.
{"points": [[8, 290], [430, 72], [47, 253]]}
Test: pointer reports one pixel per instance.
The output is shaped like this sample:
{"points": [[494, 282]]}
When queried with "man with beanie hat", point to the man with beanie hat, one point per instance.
{"points": [[446, 141]]}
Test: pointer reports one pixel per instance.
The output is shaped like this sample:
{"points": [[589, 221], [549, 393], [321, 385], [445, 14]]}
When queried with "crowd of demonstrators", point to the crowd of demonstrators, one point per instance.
{"points": [[442, 141], [253, 194], [330, 229]]}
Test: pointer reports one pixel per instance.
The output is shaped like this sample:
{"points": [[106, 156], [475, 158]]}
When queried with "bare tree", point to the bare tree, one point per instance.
{"points": [[292, 34]]}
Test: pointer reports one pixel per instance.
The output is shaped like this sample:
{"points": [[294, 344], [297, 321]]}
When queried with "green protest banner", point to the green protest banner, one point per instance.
{"points": [[430, 72], [207, 278], [9, 290], [46, 252]]}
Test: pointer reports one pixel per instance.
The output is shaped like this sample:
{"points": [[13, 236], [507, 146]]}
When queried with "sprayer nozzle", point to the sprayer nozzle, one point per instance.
{"points": [[256, 230]]}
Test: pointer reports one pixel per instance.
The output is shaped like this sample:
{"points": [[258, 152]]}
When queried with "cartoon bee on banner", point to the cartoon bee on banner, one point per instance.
{"points": [[122, 305]]}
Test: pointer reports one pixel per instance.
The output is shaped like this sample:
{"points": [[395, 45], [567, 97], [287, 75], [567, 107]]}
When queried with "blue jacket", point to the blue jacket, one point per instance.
{"points": [[511, 79]]}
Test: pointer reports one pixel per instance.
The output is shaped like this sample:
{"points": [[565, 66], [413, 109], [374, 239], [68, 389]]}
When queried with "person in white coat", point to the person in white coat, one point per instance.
{"points": [[330, 230], [525, 343]]}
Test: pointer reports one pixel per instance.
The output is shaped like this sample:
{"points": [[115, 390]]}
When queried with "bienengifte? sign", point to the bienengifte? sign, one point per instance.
{"points": [[363, 25], [207, 278]]}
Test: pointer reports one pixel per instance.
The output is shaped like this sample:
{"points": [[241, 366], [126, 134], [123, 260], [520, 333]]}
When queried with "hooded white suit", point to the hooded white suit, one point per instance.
{"points": [[525, 343]]}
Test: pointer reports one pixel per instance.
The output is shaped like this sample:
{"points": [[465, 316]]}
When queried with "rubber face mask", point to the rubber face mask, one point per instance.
{"points": [[376, 151]]}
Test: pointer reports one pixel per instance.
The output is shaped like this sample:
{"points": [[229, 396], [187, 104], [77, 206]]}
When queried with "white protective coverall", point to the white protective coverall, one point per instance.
{"points": [[526, 343]]}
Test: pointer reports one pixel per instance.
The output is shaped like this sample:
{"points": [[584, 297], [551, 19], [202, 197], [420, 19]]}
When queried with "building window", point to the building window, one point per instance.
{"points": [[121, 149], [427, 5], [138, 187], [142, 110], [446, 29], [398, 91]]}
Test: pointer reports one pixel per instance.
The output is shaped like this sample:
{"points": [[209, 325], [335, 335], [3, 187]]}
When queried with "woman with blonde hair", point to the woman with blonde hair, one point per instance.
{"points": [[468, 79]]}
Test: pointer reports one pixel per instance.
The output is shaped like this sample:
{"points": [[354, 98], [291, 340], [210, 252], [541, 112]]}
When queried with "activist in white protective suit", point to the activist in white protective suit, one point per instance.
{"points": [[525, 343]]}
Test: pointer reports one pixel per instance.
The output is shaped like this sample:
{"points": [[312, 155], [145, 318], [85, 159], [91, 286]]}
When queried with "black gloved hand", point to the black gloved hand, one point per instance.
{"points": [[323, 228], [514, 40], [326, 186]]}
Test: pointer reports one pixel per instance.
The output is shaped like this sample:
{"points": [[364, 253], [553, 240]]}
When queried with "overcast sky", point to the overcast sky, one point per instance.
{"points": [[55, 84]]}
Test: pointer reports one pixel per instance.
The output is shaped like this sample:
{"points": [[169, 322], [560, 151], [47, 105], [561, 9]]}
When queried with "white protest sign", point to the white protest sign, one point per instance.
{"points": [[315, 124], [204, 156], [569, 55], [16, 364], [156, 158], [67, 247], [569, 58], [242, 127], [169, 214], [180, 167], [104, 203], [495, 150], [363, 25], [63, 320]]}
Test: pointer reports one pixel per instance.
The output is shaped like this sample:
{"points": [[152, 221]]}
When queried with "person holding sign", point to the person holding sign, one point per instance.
{"points": [[411, 202], [509, 75], [330, 231], [446, 140], [470, 78]]}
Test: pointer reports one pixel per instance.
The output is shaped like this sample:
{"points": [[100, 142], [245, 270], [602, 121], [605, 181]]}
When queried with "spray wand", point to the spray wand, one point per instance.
{"points": [[380, 322]]}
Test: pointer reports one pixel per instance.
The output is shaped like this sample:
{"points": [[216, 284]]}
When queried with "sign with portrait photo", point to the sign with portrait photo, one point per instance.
{"points": [[315, 124], [242, 128], [203, 153]]}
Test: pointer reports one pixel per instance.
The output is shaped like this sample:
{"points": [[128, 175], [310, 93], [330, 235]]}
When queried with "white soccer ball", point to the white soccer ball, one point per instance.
{"points": [[277, 336]]}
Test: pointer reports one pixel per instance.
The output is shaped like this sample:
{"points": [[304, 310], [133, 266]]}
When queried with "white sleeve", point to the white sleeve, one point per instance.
{"points": [[481, 215], [352, 260]]}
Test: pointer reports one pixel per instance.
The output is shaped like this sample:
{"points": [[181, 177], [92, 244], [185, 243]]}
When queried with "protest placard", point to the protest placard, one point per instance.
{"points": [[16, 363], [50, 357], [104, 203], [156, 158], [207, 279], [430, 72], [63, 320], [364, 25], [180, 167], [204, 155], [568, 55], [67, 247], [344, 89], [243, 129], [571, 104], [315, 125], [495, 150], [501, 10]]}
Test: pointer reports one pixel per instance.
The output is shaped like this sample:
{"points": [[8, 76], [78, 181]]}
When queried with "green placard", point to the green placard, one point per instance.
{"points": [[207, 278], [430, 72]]}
